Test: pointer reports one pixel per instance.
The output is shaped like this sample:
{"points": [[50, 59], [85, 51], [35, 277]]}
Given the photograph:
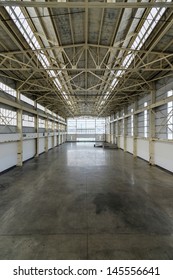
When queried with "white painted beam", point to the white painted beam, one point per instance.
{"points": [[94, 5]]}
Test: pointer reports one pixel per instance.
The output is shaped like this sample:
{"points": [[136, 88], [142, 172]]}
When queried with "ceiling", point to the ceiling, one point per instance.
{"points": [[86, 58]]}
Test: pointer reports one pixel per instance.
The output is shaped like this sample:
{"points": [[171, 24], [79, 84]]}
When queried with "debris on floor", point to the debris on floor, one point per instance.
{"points": [[98, 145], [106, 145], [110, 146]]}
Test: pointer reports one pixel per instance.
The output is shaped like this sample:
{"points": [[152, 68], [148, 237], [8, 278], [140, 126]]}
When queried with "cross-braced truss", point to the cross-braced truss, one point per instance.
{"points": [[87, 57]]}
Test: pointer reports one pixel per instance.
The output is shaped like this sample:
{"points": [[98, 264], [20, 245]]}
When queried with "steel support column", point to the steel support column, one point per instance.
{"points": [[152, 127]]}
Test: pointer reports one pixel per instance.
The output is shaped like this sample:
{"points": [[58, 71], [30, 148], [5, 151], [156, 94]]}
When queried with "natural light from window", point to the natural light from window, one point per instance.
{"points": [[146, 29], [8, 89], [170, 116], [145, 121], [22, 24]]}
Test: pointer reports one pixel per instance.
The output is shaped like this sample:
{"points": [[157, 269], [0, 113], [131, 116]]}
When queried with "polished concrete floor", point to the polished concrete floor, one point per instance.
{"points": [[81, 202]]}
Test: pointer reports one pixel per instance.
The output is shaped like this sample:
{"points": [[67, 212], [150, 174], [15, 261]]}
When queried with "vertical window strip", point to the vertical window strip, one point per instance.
{"points": [[132, 130], [145, 121], [170, 117], [23, 26]]}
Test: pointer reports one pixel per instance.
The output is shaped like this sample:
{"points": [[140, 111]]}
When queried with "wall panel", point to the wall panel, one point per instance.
{"points": [[121, 142], [129, 144], [143, 149], [8, 155], [49, 142], [29, 149], [41, 145], [164, 155]]}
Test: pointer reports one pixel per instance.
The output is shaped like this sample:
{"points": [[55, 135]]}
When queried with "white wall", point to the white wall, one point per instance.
{"points": [[41, 145], [164, 155], [49, 142], [60, 139], [121, 142], [129, 144], [143, 148], [8, 155], [55, 140], [8, 150], [29, 149]]}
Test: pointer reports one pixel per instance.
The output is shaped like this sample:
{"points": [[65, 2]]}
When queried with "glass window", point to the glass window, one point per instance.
{"points": [[28, 120], [23, 25], [26, 99], [41, 123], [145, 121], [132, 122], [86, 126], [7, 89], [170, 116], [8, 117]]}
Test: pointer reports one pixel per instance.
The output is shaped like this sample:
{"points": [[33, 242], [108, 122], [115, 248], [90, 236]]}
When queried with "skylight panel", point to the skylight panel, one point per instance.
{"points": [[65, 95], [119, 73], [128, 59], [106, 95], [22, 24], [148, 25], [146, 29], [52, 74], [113, 82], [153, 13], [56, 81]]}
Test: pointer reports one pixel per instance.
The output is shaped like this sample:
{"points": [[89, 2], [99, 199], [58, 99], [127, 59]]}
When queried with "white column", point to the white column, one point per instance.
{"points": [[118, 130], [36, 126], [53, 130], [125, 130], [152, 127], [46, 135], [19, 130], [135, 130]]}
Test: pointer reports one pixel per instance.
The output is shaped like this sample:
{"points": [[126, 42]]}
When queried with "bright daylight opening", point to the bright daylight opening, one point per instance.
{"points": [[22, 24]]}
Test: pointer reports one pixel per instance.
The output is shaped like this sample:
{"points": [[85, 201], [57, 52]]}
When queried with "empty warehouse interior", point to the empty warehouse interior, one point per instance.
{"points": [[86, 130]]}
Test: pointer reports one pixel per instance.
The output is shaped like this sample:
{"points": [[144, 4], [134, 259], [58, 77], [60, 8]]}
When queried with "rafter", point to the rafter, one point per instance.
{"points": [[101, 5]]}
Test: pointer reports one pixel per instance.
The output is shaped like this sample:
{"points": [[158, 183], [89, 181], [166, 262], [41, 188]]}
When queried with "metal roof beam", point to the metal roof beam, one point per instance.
{"points": [[116, 5], [61, 49]]}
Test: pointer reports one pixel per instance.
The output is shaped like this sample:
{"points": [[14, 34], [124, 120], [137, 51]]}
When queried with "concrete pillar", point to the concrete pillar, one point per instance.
{"points": [[135, 130], [66, 131], [36, 119], [118, 130], [111, 133], [58, 127], [152, 127], [114, 133], [53, 136], [19, 130], [125, 130], [36, 126], [46, 135], [56, 138]]}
